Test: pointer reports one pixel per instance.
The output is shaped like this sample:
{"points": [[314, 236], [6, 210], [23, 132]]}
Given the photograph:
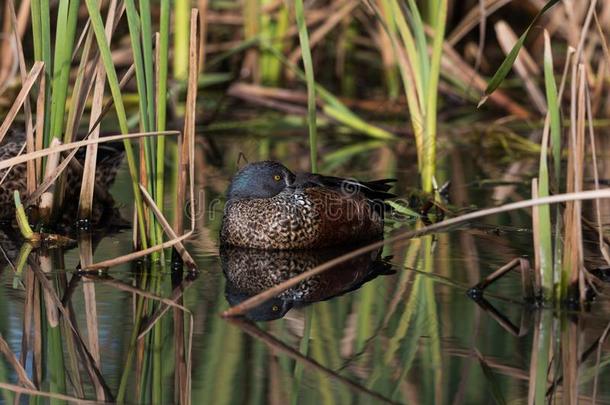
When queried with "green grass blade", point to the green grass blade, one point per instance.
{"points": [[264, 26], [414, 89], [432, 352], [36, 28], [553, 106], [429, 160], [147, 52], [273, 67], [401, 209], [545, 236], [22, 219], [545, 334], [45, 19], [507, 64], [113, 82], [304, 349], [422, 45], [55, 364], [181, 38], [162, 69], [60, 35], [409, 72], [311, 84], [325, 348], [544, 220], [134, 36], [65, 34]]}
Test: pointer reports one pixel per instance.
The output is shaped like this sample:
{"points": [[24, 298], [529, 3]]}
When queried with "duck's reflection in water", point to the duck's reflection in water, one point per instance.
{"points": [[251, 271]]}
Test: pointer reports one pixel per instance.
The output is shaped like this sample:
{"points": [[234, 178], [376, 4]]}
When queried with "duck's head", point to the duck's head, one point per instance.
{"points": [[269, 310], [260, 180]]}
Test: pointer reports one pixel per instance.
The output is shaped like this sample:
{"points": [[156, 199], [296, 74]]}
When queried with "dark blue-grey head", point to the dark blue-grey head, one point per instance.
{"points": [[270, 310], [263, 179]]}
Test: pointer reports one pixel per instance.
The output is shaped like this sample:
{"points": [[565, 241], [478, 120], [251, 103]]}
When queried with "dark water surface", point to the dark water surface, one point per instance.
{"points": [[392, 326]]}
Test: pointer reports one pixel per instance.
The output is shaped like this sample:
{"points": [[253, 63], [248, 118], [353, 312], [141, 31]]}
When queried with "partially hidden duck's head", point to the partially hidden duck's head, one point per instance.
{"points": [[264, 179]]}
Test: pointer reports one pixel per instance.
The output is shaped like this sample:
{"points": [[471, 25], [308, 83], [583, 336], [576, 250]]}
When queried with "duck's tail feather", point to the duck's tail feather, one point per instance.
{"points": [[373, 190], [378, 189]]}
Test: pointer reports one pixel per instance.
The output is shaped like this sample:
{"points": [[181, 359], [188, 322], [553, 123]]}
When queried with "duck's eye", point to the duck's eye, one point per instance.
{"points": [[275, 308], [277, 177]]}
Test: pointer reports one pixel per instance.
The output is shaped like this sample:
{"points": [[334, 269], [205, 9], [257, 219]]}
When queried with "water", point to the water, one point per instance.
{"points": [[391, 326]]}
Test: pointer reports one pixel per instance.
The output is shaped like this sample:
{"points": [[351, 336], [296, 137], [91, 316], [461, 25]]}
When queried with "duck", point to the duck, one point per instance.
{"points": [[271, 208], [110, 157], [251, 271]]}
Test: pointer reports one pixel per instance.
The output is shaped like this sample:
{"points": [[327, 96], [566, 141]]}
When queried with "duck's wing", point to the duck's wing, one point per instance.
{"points": [[374, 190]]}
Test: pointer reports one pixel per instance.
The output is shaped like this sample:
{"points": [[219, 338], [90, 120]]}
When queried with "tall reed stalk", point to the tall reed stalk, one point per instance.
{"points": [[419, 65], [151, 64], [56, 53], [41, 33], [141, 42], [161, 97], [104, 47], [313, 153], [311, 83], [273, 31], [544, 212], [553, 274], [181, 39]]}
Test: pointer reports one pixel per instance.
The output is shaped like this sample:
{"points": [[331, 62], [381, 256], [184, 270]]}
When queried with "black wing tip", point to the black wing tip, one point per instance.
{"points": [[374, 189], [381, 187], [380, 195]]}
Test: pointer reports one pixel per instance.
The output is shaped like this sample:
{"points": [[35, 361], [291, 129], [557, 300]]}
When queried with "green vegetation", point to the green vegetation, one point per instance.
{"points": [[311, 84]]}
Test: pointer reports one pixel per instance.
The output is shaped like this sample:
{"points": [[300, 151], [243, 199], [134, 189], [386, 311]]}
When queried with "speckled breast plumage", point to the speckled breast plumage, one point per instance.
{"points": [[301, 218]]}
